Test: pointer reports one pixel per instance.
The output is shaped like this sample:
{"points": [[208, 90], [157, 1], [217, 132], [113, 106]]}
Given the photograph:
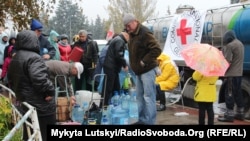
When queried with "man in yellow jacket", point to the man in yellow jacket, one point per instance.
{"points": [[167, 80]]}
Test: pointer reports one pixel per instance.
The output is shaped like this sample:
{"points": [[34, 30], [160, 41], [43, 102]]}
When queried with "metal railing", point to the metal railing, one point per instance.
{"points": [[29, 119]]}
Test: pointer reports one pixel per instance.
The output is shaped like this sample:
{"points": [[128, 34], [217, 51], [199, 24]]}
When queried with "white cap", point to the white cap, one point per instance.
{"points": [[79, 68]]}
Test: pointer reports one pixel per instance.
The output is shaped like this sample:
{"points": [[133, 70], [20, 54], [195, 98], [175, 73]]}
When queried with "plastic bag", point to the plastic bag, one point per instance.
{"points": [[95, 112], [127, 83]]}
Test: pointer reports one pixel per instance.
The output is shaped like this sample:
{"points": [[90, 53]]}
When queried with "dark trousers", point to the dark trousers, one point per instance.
{"points": [[160, 95], [203, 108], [43, 123], [84, 83], [233, 92], [113, 84]]}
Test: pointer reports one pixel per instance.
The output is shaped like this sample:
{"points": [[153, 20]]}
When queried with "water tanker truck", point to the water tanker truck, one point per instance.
{"points": [[217, 21]]}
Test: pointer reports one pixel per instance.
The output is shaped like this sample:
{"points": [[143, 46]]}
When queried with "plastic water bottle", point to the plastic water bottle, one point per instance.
{"points": [[77, 114], [119, 116], [122, 97], [109, 113], [132, 90], [85, 106], [125, 102], [45, 51], [105, 120], [133, 107], [115, 99]]}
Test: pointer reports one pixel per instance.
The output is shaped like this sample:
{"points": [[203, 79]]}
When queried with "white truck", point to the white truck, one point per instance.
{"points": [[217, 22]]}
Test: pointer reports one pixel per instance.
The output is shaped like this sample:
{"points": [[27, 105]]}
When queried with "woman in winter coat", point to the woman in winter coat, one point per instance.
{"points": [[53, 39], [64, 48], [12, 42], [6, 64], [28, 78], [205, 95]]}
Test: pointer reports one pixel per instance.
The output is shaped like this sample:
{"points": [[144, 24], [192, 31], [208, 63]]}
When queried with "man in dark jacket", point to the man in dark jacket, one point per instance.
{"points": [[143, 52], [89, 60], [47, 51], [114, 61], [234, 54], [28, 78]]}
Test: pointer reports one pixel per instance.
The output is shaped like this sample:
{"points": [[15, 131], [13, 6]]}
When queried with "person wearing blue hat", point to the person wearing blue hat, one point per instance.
{"points": [[47, 51]]}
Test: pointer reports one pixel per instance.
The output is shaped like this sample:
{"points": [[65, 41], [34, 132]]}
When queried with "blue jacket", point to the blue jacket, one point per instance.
{"points": [[45, 44]]}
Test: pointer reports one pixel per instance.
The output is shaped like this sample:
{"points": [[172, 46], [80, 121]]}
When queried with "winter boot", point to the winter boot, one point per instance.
{"points": [[161, 107], [239, 114], [247, 115], [228, 116]]}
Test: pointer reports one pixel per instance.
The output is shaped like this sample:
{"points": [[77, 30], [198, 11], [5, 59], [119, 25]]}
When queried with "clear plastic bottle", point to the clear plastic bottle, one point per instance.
{"points": [[109, 111], [125, 101], [122, 97], [105, 120], [132, 90], [77, 114], [45, 51], [85, 107], [115, 99], [133, 107], [119, 116]]}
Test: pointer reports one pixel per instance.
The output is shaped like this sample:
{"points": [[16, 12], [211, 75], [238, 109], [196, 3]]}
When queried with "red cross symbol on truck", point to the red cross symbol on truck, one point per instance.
{"points": [[183, 31]]}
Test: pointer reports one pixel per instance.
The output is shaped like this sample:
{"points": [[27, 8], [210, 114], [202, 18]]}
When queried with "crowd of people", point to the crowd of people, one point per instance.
{"points": [[30, 63]]}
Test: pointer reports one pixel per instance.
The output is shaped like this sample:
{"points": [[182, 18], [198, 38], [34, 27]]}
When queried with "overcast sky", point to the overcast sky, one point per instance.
{"points": [[92, 8]]}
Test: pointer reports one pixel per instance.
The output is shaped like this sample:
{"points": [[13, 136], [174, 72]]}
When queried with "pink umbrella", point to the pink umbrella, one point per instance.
{"points": [[206, 59]]}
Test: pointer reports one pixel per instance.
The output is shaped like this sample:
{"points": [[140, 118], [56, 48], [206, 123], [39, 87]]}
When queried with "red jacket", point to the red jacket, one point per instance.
{"points": [[65, 51], [6, 62]]}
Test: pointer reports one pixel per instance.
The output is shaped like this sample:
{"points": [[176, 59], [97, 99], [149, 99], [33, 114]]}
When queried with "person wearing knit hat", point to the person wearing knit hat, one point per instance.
{"points": [[143, 62], [47, 51], [36, 25], [128, 18]]}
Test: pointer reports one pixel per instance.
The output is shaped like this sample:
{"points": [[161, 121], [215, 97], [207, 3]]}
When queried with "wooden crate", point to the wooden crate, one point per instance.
{"points": [[62, 109]]}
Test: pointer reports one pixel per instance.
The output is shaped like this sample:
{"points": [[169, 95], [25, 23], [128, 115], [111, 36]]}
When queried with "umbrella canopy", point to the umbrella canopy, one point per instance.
{"points": [[206, 59]]}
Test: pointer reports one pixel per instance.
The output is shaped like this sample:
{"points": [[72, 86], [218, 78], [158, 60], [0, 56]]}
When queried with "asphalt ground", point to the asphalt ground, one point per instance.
{"points": [[178, 115]]}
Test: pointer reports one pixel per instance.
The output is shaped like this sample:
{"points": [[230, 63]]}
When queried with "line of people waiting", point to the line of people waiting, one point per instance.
{"points": [[36, 60]]}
